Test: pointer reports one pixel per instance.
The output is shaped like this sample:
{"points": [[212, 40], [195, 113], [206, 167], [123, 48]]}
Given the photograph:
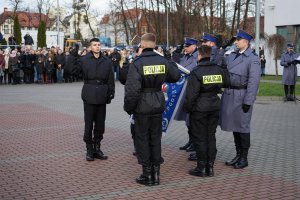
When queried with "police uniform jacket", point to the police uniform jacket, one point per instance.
{"points": [[289, 71], [145, 77], [244, 71], [189, 62], [204, 83], [99, 85]]}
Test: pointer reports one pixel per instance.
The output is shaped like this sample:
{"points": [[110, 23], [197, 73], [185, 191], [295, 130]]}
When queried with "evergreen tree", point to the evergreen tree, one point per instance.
{"points": [[3, 42], [41, 37], [17, 30]]}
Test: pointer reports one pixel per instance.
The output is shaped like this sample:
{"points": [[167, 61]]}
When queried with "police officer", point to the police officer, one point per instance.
{"points": [[98, 90], [237, 101], [289, 72], [145, 100], [215, 57], [203, 105], [189, 61], [211, 40]]}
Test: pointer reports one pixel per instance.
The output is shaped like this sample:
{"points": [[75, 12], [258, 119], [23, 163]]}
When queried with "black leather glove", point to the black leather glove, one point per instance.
{"points": [[109, 98], [227, 42], [245, 108], [289, 63], [179, 48]]}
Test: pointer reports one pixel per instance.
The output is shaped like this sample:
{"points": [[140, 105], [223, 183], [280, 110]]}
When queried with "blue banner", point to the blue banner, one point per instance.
{"points": [[173, 93]]}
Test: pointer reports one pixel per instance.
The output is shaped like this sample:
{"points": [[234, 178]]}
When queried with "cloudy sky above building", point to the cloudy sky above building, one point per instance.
{"points": [[102, 6]]}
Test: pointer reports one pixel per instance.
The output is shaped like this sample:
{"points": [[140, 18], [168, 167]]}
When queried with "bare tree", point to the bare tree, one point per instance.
{"points": [[246, 14], [87, 20], [15, 4], [275, 45]]}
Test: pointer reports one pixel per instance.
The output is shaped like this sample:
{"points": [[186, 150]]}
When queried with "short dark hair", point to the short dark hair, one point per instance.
{"points": [[94, 40], [204, 51]]}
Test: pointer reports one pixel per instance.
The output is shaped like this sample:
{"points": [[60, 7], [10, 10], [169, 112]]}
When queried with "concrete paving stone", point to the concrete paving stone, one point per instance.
{"points": [[42, 152]]}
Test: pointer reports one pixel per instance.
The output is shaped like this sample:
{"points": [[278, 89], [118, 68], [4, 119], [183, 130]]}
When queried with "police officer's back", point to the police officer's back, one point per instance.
{"points": [[144, 99], [203, 105]]}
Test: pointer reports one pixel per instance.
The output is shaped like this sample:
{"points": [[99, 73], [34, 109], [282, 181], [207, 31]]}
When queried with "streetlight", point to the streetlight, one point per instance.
{"points": [[57, 24], [167, 25], [257, 30]]}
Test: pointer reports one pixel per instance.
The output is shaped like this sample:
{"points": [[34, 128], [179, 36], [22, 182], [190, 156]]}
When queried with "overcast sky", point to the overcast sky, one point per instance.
{"points": [[101, 5]]}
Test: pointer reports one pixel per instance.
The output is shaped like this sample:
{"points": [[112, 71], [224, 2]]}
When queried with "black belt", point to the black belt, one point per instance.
{"points": [[94, 82], [151, 89], [241, 87], [208, 94]]}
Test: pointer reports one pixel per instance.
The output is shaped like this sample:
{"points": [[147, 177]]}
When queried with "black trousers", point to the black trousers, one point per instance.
{"points": [[94, 119], [203, 131], [288, 89], [241, 140], [148, 132]]}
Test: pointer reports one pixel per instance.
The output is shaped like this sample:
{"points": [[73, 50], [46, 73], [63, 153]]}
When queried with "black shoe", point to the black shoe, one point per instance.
{"points": [[155, 174], [146, 177], [184, 147], [242, 163], [98, 153], [285, 99], [190, 148], [210, 169], [192, 157], [89, 152], [233, 161], [291, 98], [199, 170]]}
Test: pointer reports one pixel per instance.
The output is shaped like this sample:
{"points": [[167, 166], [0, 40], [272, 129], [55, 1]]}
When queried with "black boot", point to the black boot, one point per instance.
{"points": [[98, 153], [89, 152], [210, 169], [235, 159], [1, 80], [146, 177], [155, 174], [191, 148], [199, 170], [184, 147], [192, 157], [242, 162]]}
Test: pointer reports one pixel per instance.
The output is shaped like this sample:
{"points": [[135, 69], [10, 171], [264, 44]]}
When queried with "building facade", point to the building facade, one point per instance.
{"points": [[282, 17]]}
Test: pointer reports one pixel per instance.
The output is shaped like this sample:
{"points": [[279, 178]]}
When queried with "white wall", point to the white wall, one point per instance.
{"points": [[279, 13]]}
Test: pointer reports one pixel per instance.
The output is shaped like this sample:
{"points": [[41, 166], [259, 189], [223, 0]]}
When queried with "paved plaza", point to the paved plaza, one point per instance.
{"points": [[42, 154]]}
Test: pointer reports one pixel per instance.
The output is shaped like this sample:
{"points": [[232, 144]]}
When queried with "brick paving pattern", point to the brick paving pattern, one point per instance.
{"points": [[42, 155]]}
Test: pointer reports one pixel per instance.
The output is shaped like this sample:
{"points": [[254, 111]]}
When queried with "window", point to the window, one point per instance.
{"points": [[28, 28], [6, 29], [282, 30]]}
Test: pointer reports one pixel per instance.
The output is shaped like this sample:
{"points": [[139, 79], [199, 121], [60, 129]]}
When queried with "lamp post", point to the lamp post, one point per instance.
{"points": [[257, 22], [167, 25], [58, 24]]}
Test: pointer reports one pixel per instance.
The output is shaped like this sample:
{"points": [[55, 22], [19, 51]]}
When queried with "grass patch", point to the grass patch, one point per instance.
{"points": [[275, 78], [274, 89]]}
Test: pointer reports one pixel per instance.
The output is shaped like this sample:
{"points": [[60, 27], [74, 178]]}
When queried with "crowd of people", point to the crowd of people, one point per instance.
{"points": [[52, 65]]}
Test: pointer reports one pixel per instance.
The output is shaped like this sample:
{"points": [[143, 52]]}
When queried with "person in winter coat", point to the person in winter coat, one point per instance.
{"points": [[97, 91], [28, 39], [145, 100], [289, 72], [238, 100], [49, 68]]}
